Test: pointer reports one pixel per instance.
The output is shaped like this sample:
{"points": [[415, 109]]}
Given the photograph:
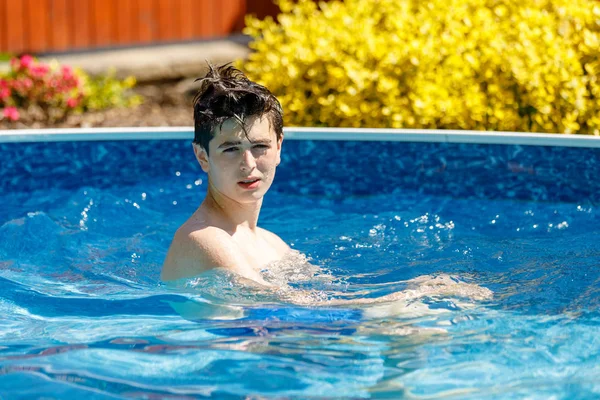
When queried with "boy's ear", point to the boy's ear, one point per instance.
{"points": [[279, 143], [201, 156]]}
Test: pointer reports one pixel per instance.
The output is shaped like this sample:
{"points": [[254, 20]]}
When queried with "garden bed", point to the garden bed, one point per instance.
{"points": [[166, 103]]}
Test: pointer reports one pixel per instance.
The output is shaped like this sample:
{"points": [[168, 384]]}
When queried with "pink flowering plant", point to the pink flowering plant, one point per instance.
{"points": [[49, 91]]}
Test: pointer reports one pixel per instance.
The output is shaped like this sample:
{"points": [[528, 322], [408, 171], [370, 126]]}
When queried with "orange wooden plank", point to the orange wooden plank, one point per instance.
{"points": [[15, 33], [216, 29], [37, 19], [102, 20], [167, 19], [59, 25], [127, 22], [205, 19], [241, 17], [3, 26], [114, 31], [147, 21], [80, 30], [232, 16], [186, 19]]}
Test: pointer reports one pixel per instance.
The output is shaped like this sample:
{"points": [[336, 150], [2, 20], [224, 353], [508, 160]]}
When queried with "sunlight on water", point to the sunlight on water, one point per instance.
{"points": [[481, 283]]}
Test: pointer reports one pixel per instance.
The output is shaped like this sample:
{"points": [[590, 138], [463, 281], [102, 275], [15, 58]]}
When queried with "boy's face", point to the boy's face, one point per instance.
{"points": [[240, 166]]}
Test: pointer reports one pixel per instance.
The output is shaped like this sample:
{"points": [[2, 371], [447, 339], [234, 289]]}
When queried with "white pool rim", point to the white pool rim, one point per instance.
{"points": [[357, 134]]}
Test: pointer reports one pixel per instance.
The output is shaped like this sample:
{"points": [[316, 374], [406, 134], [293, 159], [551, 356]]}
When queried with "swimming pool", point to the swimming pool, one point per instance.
{"points": [[84, 227]]}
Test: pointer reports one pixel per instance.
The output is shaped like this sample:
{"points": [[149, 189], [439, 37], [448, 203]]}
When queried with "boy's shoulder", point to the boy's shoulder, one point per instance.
{"points": [[201, 236], [274, 241], [195, 249]]}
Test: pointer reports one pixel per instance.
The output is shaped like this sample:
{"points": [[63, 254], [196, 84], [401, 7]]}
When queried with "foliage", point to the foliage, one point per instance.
{"points": [[50, 92], [509, 65], [107, 92], [29, 83]]}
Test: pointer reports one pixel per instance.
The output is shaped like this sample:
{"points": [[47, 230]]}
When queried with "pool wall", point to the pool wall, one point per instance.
{"points": [[354, 134], [560, 168]]}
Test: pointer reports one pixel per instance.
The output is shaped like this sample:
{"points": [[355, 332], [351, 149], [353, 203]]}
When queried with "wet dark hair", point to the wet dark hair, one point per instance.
{"points": [[226, 93]]}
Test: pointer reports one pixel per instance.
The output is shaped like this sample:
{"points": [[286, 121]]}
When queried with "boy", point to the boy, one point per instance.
{"points": [[238, 132]]}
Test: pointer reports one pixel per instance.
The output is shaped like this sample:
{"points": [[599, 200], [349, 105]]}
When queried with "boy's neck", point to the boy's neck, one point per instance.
{"points": [[230, 211]]}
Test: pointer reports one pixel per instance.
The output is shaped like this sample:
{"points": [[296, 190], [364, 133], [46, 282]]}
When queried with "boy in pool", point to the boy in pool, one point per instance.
{"points": [[238, 132]]}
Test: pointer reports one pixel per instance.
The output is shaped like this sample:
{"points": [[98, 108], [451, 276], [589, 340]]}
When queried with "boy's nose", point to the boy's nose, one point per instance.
{"points": [[248, 161]]}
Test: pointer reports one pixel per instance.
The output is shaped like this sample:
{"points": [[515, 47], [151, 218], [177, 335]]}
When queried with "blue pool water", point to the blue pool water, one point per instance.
{"points": [[84, 228]]}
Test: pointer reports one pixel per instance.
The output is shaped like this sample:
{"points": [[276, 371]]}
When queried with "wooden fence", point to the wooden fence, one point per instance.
{"points": [[39, 26]]}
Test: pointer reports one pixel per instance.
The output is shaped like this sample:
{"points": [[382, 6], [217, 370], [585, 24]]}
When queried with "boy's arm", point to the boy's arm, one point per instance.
{"points": [[192, 253]]}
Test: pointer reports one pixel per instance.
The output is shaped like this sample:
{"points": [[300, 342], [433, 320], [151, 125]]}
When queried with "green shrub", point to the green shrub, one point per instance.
{"points": [[108, 92], [50, 92], [507, 65]]}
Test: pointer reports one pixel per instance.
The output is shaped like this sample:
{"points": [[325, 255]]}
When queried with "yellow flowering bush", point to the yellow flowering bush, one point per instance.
{"points": [[106, 91], [506, 65]]}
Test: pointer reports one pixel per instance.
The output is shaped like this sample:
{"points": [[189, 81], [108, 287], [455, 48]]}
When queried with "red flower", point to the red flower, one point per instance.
{"points": [[11, 113], [4, 93], [39, 71], [26, 61], [22, 85], [54, 83], [72, 102], [67, 72], [4, 90]]}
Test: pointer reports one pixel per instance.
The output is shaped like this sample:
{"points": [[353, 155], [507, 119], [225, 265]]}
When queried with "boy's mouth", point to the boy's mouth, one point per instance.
{"points": [[249, 183], [249, 180]]}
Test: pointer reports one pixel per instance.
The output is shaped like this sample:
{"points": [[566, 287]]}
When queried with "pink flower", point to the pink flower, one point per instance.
{"points": [[4, 93], [22, 85], [67, 71], [14, 63], [11, 113], [26, 61], [54, 83], [39, 71], [4, 90], [72, 102], [27, 83]]}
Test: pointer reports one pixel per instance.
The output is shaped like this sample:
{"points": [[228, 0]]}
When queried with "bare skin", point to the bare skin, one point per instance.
{"points": [[223, 231]]}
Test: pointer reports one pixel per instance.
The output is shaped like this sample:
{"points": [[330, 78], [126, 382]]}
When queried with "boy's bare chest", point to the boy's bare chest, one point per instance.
{"points": [[257, 251]]}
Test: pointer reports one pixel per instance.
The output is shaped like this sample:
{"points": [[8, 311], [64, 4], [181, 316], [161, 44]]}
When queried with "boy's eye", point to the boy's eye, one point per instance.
{"points": [[230, 150], [261, 146]]}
